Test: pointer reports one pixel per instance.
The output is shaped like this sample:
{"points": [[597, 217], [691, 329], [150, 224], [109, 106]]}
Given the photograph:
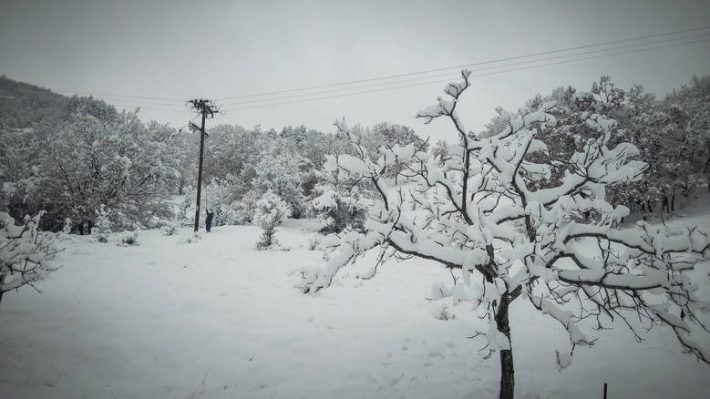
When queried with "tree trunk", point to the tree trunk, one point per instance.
{"points": [[664, 204], [507, 370], [673, 203]]}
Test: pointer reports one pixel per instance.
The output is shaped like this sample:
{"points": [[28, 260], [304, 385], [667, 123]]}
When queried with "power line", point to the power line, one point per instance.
{"points": [[472, 75], [561, 50], [146, 105], [174, 104], [454, 74], [127, 97]]}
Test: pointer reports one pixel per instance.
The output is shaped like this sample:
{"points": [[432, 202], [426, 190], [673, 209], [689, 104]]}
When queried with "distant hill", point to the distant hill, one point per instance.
{"points": [[23, 104]]}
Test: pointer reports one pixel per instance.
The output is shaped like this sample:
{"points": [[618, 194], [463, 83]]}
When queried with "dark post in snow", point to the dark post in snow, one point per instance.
{"points": [[205, 108]]}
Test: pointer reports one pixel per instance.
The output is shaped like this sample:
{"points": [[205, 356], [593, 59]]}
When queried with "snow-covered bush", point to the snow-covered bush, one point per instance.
{"points": [[67, 226], [242, 210], [483, 214], [281, 172], [129, 239], [270, 212], [103, 224], [338, 211], [170, 229], [313, 243], [219, 196], [26, 254]]}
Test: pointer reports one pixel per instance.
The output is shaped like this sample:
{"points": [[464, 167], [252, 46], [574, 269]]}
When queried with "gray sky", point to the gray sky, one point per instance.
{"points": [[184, 49]]}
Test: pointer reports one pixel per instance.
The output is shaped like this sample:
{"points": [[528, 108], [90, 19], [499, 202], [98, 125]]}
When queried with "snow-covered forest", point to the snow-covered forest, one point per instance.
{"points": [[559, 248], [84, 162]]}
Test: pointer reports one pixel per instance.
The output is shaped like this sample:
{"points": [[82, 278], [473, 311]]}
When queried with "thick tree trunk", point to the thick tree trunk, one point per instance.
{"points": [[507, 370]]}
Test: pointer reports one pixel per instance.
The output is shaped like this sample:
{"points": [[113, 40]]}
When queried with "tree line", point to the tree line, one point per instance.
{"points": [[79, 158]]}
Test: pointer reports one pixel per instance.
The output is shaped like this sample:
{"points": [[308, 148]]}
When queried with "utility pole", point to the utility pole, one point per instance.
{"points": [[205, 108]]}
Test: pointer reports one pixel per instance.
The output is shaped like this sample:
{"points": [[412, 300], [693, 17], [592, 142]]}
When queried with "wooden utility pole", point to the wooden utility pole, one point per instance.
{"points": [[205, 108]]}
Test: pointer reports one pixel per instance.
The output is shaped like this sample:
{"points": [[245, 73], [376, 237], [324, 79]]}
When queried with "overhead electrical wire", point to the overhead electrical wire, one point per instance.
{"points": [[382, 89], [454, 74], [424, 77], [468, 65], [127, 97], [142, 105]]}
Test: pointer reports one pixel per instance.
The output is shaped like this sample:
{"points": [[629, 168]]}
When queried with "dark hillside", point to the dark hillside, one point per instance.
{"points": [[23, 104]]}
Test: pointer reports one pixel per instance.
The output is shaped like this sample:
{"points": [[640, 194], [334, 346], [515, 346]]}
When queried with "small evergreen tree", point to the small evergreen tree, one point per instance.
{"points": [[270, 212]]}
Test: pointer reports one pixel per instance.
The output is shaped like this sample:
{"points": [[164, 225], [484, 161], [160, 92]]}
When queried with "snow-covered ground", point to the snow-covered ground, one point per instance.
{"points": [[218, 319]]}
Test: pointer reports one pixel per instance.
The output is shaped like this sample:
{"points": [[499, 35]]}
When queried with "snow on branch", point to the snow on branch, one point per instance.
{"points": [[26, 254], [481, 214]]}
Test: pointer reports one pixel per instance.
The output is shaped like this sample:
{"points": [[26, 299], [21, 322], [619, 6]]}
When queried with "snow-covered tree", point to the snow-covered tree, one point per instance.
{"points": [[270, 212], [668, 133], [110, 159], [26, 254], [693, 100], [386, 134], [338, 210], [20, 173], [281, 171], [478, 214]]}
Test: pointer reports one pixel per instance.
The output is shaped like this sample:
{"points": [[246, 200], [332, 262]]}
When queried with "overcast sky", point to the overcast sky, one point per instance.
{"points": [[215, 49]]}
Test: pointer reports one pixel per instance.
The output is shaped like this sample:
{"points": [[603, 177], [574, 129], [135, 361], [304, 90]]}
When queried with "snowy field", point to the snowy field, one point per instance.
{"points": [[218, 319]]}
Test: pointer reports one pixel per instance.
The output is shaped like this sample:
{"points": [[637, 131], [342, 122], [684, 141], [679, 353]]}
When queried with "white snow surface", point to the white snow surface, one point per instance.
{"points": [[216, 318]]}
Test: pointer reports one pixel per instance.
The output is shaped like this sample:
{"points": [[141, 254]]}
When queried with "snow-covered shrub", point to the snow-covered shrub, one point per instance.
{"points": [[170, 229], [313, 243], [338, 211], [281, 172], [441, 312], [103, 224], [67, 226], [222, 197], [239, 213], [26, 254], [129, 239], [270, 212], [218, 198]]}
